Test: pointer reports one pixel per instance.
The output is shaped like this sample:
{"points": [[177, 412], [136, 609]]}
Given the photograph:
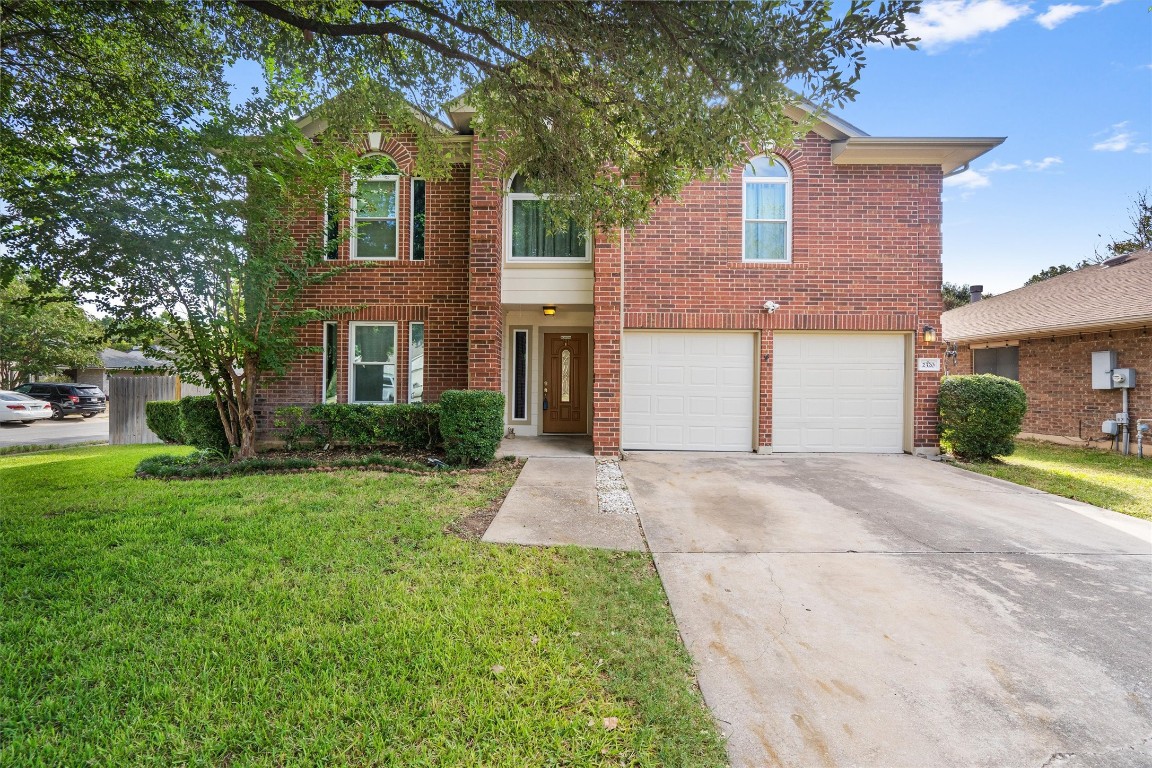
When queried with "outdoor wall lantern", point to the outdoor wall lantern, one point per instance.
{"points": [[549, 310], [929, 335]]}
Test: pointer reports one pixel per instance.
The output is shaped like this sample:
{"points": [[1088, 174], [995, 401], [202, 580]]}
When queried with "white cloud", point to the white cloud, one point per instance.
{"points": [[1001, 167], [1121, 140], [1058, 14], [942, 22], [1061, 12], [1042, 165], [968, 180]]}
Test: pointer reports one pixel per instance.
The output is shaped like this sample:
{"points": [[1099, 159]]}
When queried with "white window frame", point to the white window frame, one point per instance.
{"points": [[352, 326], [354, 240], [511, 196], [787, 182], [424, 346], [335, 326]]}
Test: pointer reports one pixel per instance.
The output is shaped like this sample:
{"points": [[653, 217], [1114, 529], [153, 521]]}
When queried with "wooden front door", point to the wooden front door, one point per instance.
{"points": [[566, 383]]}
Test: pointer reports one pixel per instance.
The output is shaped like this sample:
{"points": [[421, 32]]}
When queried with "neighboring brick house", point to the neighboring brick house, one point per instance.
{"points": [[782, 308], [1044, 334]]}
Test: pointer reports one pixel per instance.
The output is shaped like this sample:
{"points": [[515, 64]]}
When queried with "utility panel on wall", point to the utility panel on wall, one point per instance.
{"points": [[1102, 365]]}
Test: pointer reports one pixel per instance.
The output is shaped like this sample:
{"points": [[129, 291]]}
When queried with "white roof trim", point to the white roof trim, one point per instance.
{"points": [[948, 153]]}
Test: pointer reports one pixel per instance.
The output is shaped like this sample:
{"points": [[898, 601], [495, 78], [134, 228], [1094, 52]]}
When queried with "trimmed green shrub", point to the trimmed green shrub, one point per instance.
{"points": [[163, 418], [981, 415], [413, 427], [471, 423], [201, 423]]}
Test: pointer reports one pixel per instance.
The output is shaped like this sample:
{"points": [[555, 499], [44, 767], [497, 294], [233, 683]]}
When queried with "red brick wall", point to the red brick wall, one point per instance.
{"points": [[606, 326], [486, 316], [866, 255], [433, 291], [1056, 373]]}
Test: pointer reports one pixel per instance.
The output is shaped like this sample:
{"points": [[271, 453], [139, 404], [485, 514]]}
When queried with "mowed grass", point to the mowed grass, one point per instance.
{"points": [[319, 619], [1104, 478]]}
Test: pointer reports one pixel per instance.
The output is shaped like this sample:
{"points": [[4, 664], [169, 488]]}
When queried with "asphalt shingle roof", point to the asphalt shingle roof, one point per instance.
{"points": [[1092, 298], [115, 359]]}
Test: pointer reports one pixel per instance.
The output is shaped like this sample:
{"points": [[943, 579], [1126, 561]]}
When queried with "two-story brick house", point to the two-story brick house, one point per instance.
{"points": [[782, 308]]}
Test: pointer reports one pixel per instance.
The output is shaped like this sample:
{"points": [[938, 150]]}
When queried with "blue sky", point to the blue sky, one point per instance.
{"points": [[1069, 84]]}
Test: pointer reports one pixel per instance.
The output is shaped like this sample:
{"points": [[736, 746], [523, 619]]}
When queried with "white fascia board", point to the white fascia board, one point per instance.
{"points": [[948, 153]]}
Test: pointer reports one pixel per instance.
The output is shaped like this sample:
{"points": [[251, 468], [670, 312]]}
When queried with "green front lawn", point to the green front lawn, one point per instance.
{"points": [[319, 619], [1106, 479]]}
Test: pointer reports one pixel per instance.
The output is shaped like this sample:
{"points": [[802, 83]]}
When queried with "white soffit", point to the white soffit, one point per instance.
{"points": [[948, 153]]}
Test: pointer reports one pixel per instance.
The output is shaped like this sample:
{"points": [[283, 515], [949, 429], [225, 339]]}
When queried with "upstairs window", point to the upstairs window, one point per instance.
{"points": [[767, 210], [374, 203], [530, 233]]}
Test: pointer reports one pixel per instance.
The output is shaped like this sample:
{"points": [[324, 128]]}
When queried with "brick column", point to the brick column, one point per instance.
{"points": [[607, 325], [485, 317], [930, 272]]}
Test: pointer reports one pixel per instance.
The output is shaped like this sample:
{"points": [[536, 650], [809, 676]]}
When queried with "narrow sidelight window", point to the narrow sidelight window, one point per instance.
{"points": [[520, 375], [415, 362], [418, 219], [331, 363], [331, 225], [372, 353]]}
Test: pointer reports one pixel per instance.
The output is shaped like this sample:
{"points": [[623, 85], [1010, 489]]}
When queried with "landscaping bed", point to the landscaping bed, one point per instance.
{"points": [[321, 618], [1103, 478], [202, 464]]}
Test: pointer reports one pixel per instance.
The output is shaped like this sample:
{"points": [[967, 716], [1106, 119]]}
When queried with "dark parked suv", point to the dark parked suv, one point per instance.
{"points": [[68, 399]]}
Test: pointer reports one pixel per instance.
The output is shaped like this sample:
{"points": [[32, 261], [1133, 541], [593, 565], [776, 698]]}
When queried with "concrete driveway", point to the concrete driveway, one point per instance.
{"points": [[890, 611], [68, 431]]}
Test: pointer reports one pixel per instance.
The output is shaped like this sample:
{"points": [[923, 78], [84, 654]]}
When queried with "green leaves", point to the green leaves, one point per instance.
{"points": [[980, 415], [39, 337]]}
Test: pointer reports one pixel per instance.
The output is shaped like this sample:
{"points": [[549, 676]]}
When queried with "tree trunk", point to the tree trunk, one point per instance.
{"points": [[247, 448], [246, 410]]}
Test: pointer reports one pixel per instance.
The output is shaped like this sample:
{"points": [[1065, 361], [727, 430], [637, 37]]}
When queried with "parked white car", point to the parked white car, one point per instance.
{"points": [[17, 407]]}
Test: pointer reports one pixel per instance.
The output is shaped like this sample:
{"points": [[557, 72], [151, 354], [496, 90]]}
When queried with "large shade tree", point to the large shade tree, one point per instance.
{"points": [[128, 175]]}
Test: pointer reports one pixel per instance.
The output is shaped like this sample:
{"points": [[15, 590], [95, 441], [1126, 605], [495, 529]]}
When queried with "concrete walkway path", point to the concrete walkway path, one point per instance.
{"points": [[892, 612], [554, 502]]}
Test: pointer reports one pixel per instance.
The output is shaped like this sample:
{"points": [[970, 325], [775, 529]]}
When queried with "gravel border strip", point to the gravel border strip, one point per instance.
{"points": [[612, 491]]}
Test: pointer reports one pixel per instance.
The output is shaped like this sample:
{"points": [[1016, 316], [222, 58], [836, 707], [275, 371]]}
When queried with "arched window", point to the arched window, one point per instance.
{"points": [[767, 210], [530, 234], [374, 201]]}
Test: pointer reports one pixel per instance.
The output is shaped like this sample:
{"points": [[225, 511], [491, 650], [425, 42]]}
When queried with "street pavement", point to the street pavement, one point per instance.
{"points": [[68, 431]]}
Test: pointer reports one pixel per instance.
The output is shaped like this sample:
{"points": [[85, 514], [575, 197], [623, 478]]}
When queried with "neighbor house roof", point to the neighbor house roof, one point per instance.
{"points": [[114, 359], [1110, 296]]}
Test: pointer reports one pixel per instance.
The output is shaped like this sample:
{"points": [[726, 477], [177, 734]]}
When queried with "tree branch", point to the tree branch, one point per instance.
{"points": [[367, 29]]}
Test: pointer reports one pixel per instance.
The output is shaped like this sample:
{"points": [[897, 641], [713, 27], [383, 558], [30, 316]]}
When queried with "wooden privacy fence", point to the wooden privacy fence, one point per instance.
{"points": [[126, 398]]}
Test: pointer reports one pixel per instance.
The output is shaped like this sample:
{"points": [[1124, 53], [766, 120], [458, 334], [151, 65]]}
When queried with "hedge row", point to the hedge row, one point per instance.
{"points": [[192, 420], [468, 425]]}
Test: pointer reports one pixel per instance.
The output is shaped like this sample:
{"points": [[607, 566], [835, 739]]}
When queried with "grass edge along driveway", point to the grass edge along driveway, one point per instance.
{"points": [[324, 618], [1102, 478]]}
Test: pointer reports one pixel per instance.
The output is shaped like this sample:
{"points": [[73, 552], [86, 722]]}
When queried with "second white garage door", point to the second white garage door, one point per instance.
{"points": [[838, 392], [688, 391]]}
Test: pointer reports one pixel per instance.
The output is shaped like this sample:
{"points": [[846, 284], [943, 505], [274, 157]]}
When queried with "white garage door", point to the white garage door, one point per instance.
{"points": [[838, 392], [687, 391]]}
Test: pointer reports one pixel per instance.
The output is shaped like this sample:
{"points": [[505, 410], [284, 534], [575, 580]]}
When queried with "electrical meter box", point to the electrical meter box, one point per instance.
{"points": [[1123, 378], [1102, 365]]}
